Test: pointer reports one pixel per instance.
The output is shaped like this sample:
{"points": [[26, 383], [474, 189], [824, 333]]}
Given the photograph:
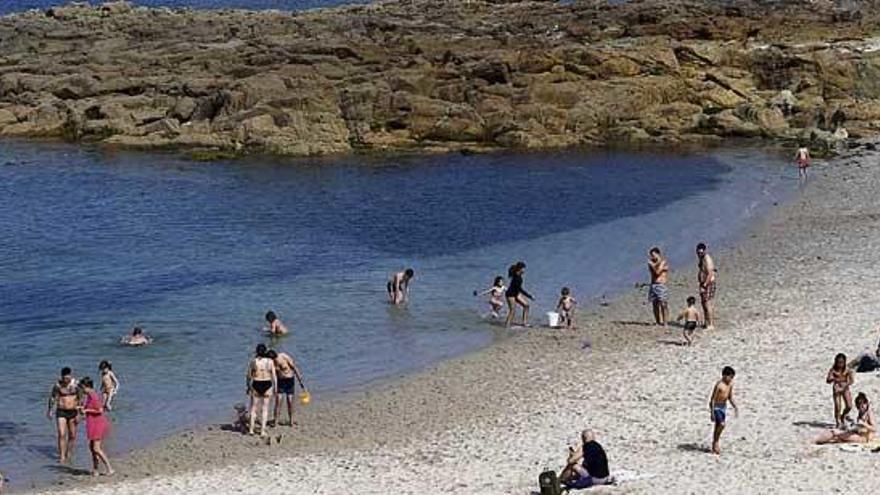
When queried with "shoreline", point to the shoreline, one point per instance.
{"points": [[452, 419]]}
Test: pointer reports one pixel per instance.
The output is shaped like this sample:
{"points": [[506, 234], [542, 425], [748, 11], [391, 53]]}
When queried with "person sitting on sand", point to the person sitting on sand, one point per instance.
{"points": [[866, 361], [565, 308], [861, 432], [691, 317], [840, 378], [64, 398], [276, 327], [398, 286], [136, 339], [286, 370], [496, 296], [587, 466], [109, 383], [722, 393], [658, 293], [262, 382], [516, 294], [97, 425]]}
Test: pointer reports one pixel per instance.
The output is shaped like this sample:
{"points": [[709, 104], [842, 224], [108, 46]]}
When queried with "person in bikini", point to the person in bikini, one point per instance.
{"points": [[658, 293], [722, 393], [109, 383], [840, 377], [496, 296], [64, 400], [706, 276], [565, 308], [287, 371], [861, 432], [276, 327], [262, 382], [802, 159], [691, 317], [398, 286]]}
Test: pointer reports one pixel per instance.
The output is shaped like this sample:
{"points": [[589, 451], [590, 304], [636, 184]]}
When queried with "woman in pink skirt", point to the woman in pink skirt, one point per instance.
{"points": [[97, 425]]}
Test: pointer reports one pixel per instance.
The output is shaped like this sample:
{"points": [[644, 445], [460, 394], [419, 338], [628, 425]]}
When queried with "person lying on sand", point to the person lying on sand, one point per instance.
{"points": [[691, 317], [841, 379], [861, 432], [137, 338], [866, 361], [276, 327], [721, 395], [587, 466]]}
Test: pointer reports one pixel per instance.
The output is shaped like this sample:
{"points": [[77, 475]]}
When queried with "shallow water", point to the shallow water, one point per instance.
{"points": [[95, 242]]}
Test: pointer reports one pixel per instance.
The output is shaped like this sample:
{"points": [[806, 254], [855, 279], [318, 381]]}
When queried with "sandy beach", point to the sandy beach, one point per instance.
{"points": [[797, 289]]}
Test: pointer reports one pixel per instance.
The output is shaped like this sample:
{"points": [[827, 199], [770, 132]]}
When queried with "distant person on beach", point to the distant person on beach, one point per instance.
{"points": [[867, 361], [516, 294], [286, 370], [262, 382], [706, 276], [587, 466], [97, 425], [136, 339], [802, 159], [565, 308], [861, 432], [109, 383], [64, 399], [658, 293], [276, 327], [691, 318], [840, 377], [398, 286], [496, 296], [722, 393]]}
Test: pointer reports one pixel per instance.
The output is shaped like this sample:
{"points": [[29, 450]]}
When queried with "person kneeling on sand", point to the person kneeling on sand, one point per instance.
{"points": [[588, 466], [861, 432]]}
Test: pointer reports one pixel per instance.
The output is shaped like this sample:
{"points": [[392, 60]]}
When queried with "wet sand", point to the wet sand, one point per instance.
{"points": [[798, 289]]}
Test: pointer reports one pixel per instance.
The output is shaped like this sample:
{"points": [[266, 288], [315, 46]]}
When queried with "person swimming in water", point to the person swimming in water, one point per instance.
{"points": [[262, 382], [516, 294], [398, 286], [64, 399], [136, 339], [276, 327], [496, 296]]}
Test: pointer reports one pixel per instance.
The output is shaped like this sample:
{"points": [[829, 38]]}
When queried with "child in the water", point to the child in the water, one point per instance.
{"points": [[691, 317], [109, 383], [496, 296], [565, 308]]}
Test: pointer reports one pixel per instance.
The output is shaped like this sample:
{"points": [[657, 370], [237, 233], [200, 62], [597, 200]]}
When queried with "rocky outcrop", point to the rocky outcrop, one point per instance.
{"points": [[442, 75]]}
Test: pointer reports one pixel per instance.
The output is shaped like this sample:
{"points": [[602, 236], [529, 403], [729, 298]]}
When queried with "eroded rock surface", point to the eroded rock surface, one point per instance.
{"points": [[442, 74]]}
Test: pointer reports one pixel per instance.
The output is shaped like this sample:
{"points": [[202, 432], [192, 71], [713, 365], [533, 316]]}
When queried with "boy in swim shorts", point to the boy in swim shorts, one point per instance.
{"points": [[721, 395], [565, 308], [691, 317]]}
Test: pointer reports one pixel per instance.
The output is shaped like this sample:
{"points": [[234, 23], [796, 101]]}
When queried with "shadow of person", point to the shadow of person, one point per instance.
{"points": [[693, 447]]}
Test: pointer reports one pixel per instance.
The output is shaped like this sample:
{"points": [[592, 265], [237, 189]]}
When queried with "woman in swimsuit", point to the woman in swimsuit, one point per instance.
{"points": [[516, 294], [840, 378], [862, 432], [64, 399], [97, 426], [262, 383]]}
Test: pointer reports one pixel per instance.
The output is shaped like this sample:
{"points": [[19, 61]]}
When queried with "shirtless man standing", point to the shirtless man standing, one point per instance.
{"points": [[64, 399], [706, 276], [721, 395], [398, 286], [287, 371], [658, 294], [262, 383]]}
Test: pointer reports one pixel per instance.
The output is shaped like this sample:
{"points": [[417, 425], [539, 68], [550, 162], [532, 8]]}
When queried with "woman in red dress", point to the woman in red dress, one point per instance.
{"points": [[97, 425]]}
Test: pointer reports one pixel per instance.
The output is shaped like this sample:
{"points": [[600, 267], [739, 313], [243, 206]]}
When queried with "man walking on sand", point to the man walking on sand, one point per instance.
{"points": [[706, 276], [658, 294]]}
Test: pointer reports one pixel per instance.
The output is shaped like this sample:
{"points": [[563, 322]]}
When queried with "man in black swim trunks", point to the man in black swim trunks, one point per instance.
{"points": [[287, 372], [64, 400]]}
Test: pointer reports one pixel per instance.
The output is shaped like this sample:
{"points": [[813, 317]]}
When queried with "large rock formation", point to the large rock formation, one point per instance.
{"points": [[438, 74]]}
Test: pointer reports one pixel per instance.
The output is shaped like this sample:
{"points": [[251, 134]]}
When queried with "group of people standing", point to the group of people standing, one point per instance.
{"points": [[272, 374], [71, 399]]}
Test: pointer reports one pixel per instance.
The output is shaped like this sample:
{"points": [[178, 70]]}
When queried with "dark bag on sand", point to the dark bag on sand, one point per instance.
{"points": [[549, 483], [867, 363]]}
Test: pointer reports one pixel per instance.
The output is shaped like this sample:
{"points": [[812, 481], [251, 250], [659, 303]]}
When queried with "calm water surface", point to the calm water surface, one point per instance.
{"points": [[94, 242]]}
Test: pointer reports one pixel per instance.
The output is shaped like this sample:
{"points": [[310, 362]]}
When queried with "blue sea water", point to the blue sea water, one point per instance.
{"points": [[95, 241]]}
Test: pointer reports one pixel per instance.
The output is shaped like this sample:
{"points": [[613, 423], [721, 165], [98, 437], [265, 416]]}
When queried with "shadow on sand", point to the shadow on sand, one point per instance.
{"points": [[694, 447], [69, 470], [813, 424], [634, 323]]}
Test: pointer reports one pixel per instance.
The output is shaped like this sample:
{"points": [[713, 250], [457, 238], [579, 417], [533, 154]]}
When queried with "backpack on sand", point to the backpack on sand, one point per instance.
{"points": [[549, 483]]}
